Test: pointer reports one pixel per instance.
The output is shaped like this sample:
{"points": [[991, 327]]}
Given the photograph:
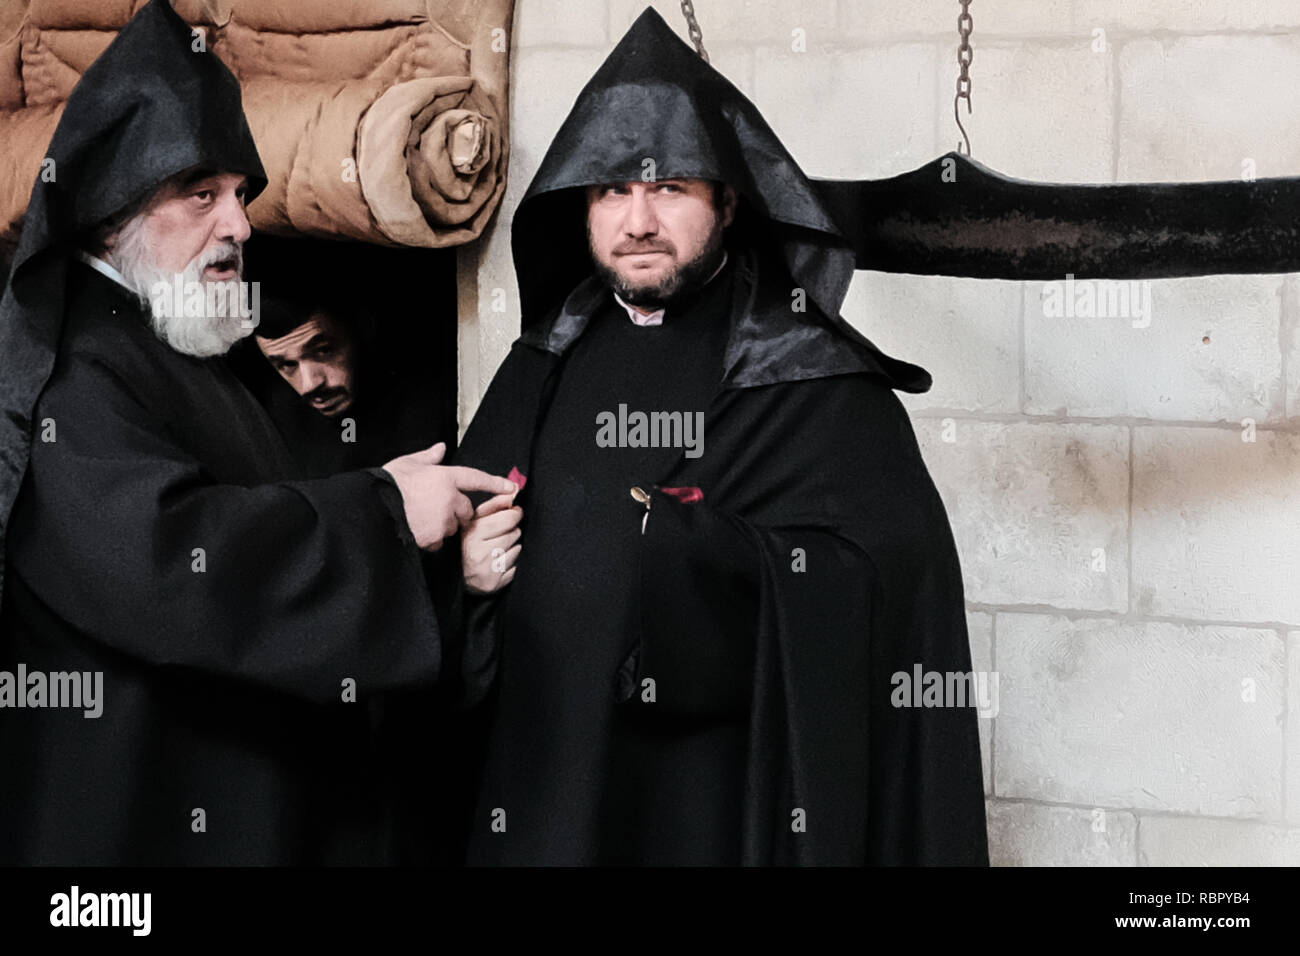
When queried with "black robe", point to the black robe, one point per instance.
{"points": [[770, 615], [223, 688], [427, 744]]}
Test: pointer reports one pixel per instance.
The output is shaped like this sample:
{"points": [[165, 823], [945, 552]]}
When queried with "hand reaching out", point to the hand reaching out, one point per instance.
{"points": [[433, 494]]}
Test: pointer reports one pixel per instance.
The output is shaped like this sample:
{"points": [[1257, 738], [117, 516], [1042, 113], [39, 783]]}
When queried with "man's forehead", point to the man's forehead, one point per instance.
{"points": [[320, 323], [196, 177]]}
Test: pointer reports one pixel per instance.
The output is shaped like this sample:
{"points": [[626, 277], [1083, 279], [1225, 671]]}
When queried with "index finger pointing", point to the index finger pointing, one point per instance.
{"points": [[471, 479]]}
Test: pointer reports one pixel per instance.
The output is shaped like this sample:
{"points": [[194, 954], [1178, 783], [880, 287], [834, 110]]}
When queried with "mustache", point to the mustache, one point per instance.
{"points": [[227, 252], [323, 393], [631, 248]]}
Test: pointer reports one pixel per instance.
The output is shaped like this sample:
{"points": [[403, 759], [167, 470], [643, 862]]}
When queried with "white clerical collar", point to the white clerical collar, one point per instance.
{"points": [[99, 265], [657, 317]]}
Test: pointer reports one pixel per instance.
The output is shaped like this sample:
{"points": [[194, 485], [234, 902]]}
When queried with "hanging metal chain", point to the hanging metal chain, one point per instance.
{"points": [[693, 28], [965, 25]]}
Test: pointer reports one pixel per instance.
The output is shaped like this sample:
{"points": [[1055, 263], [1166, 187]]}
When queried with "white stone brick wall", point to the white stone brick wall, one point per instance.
{"points": [[1132, 565]]}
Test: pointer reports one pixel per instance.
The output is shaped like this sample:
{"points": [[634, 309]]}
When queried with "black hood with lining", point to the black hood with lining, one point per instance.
{"points": [[656, 110]]}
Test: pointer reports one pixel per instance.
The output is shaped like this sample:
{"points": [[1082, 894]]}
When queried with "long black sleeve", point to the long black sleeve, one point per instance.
{"points": [[292, 585]]}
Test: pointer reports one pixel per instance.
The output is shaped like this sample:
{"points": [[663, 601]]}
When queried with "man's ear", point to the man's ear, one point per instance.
{"points": [[728, 205], [104, 240]]}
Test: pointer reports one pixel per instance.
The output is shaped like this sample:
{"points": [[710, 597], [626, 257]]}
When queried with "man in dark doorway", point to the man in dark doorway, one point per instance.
{"points": [[348, 402], [349, 405], [727, 543]]}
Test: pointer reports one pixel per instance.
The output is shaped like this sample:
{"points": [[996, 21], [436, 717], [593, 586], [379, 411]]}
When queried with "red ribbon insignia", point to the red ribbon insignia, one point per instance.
{"points": [[685, 495]]}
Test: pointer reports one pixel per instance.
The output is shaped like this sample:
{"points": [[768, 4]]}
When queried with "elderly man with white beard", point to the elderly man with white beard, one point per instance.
{"points": [[247, 623], [188, 237]]}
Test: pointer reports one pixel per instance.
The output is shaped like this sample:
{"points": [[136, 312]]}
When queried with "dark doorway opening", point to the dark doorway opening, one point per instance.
{"points": [[396, 306]]}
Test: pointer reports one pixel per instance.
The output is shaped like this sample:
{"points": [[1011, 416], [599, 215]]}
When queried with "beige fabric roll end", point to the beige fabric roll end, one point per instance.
{"points": [[430, 161], [383, 121]]}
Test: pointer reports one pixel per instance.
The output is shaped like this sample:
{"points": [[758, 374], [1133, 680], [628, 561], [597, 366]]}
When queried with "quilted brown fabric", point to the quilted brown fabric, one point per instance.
{"points": [[378, 120]]}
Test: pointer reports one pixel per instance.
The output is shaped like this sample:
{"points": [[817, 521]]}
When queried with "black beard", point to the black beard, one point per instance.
{"points": [[680, 284]]}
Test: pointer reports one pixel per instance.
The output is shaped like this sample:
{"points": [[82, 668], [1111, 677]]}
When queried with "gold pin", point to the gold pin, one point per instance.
{"points": [[639, 494]]}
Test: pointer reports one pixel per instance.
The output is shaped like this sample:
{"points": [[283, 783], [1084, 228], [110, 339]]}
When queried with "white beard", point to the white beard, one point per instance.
{"points": [[202, 336]]}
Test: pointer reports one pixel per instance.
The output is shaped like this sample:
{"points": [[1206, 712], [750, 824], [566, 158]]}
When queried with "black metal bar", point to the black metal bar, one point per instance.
{"points": [[976, 222]]}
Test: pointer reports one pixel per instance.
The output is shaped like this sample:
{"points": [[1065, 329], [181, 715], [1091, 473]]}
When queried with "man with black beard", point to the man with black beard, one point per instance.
{"points": [[686, 646], [156, 531]]}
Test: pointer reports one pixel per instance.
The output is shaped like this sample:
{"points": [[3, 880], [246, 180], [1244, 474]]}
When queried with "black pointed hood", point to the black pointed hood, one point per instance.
{"points": [[654, 101], [154, 104]]}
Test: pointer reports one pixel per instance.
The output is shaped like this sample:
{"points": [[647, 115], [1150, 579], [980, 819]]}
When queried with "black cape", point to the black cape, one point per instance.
{"points": [[820, 558], [162, 536]]}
